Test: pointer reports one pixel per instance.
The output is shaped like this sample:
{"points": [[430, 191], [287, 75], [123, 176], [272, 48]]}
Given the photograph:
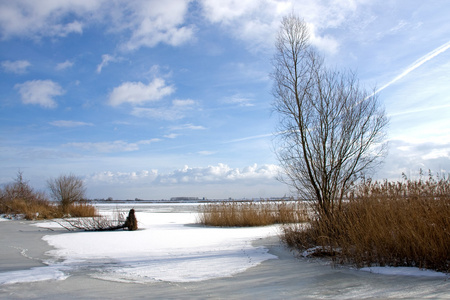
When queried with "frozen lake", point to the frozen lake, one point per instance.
{"points": [[173, 257]]}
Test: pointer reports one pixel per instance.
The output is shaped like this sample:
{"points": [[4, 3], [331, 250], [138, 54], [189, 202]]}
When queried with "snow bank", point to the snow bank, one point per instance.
{"points": [[168, 247]]}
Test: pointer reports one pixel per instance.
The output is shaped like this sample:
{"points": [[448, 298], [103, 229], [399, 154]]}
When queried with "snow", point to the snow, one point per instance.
{"points": [[168, 247]]}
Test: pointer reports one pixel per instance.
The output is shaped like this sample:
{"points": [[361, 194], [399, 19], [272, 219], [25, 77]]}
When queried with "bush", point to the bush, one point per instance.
{"points": [[67, 190], [81, 210], [385, 223], [233, 213], [19, 198]]}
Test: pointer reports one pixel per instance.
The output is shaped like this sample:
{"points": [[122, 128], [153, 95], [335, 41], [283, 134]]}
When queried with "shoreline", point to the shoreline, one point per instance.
{"points": [[287, 277]]}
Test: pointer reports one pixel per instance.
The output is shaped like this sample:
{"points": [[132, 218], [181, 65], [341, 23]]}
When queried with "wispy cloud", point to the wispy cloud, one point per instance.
{"points": [[67, 123], [240, 100], [176, 111], [40, 92], [254, 137], [416, 64], [64, 65], [18, 66], [419, 110], [106, 59], [187, 127], [206, 152], [171, 136], [108, 147]]}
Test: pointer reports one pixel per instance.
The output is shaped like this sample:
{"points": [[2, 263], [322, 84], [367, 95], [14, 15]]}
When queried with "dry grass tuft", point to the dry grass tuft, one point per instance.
{"points": [[82, 210], [385, 223], [261, 213]]}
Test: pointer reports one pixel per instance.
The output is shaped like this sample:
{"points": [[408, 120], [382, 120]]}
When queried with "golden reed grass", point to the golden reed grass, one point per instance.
{"points": [[19, 198], [259, 213], [385, 223]]}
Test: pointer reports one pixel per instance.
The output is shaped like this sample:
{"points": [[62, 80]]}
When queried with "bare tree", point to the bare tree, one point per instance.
{"points": [[101, 223], [67, 189], [330, 130]]}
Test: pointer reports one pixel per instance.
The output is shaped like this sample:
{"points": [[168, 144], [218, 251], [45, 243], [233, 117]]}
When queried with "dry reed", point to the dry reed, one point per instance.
{"points": [[260, 213], [385, 223], [19, 198]]}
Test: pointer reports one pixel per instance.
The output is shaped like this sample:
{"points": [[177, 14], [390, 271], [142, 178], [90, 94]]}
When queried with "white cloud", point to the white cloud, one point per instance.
{"points": [[409, 157], [106, 59], [257, 21], [176, 111], [171, 136], [67, 123], [64, 65], [216, 174], [137, 93], [40, 92], [155, 22], [35, 19], [145, 23], [220, 173], [123, 177], [18, 66]]}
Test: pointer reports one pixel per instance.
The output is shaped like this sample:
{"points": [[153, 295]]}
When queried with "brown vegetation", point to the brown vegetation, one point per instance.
{"points": [[385, 223], [233, 213], [19, 198]]}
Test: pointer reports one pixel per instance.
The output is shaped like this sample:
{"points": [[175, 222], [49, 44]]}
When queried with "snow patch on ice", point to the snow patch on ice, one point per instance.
{"points": [[403, 271], [54, 272], [168, 247]]}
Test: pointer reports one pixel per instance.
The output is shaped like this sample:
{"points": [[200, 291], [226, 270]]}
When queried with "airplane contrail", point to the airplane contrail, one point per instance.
{"points": [[416, 64]]}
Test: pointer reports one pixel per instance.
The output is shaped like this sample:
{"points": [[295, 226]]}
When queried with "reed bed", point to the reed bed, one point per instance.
{"points": [[403, 223], [19, 198], [259, 213]]}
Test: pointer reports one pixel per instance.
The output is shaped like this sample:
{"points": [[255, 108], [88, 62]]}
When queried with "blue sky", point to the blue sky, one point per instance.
{"points": [[158, 99]]}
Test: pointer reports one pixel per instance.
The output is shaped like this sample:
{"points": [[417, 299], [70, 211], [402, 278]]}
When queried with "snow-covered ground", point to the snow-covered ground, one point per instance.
{"points": [[169, 246]]}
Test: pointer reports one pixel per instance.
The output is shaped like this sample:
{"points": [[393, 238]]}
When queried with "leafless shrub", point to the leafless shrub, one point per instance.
{"points": [[101, 223], [67, 189]]}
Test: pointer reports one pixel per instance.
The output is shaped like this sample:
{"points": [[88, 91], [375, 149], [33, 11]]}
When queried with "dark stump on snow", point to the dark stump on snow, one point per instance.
{"points": [[131, 222]]}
